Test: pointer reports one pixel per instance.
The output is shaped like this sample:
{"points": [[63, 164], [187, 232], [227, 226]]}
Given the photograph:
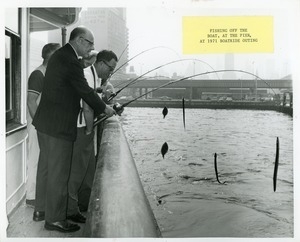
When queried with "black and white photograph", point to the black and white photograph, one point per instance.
{"points": [[150, 120]]}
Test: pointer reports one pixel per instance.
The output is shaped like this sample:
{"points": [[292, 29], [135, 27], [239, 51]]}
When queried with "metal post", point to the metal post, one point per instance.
{"points": [[63, 35], [255, 89], [241, 90]]}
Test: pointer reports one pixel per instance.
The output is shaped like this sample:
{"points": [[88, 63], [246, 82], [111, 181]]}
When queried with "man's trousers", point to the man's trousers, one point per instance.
{"points": [[52, 177], [82, 169]]}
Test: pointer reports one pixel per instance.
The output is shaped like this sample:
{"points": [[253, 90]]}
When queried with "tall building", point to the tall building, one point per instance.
{"points": [[229, 65], [110, 32]]}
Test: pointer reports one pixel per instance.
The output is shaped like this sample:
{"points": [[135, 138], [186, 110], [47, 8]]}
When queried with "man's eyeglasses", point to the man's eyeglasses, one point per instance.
{"points": [[90, 42], [111, 68]]}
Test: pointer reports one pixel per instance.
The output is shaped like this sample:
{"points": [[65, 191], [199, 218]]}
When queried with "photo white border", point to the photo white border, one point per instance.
{"points": [[294, 4]]}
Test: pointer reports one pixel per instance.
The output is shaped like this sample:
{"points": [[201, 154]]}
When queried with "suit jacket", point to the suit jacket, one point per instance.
{"points": [[64, 86]]}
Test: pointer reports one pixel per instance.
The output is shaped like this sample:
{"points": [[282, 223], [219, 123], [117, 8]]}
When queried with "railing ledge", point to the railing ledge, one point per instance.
{"points": [[118, 205]]}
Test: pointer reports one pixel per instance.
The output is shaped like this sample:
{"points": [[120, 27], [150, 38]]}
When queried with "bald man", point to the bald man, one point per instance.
{"points": [[56, 124]]}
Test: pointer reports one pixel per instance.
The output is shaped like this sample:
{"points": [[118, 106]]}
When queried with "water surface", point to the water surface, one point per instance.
{"points": [[182, 189]]}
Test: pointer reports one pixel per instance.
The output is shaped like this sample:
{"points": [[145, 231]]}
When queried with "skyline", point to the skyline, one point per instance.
{"points": [[157, 31], [158, 26]]}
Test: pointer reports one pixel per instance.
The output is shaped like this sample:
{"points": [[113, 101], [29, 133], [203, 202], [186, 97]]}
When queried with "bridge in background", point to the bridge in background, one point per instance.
{"points": [[209, 83], [241, 89]]}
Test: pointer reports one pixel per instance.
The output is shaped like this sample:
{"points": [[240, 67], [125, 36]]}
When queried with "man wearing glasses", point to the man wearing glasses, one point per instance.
{"points": [[106, 61], [83, 159], [105, 64], [56, 124]]}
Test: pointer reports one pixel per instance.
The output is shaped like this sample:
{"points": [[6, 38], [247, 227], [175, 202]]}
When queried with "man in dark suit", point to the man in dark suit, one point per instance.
{"points": [[56, 124]]}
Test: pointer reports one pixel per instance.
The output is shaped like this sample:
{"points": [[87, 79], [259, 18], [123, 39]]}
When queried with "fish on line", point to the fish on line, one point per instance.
{"points": [[164, 149], [165, 111]]}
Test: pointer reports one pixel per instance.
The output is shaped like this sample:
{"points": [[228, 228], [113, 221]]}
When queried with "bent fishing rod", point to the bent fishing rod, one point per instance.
{"points": [[145, 78], [133, 57], [191, 59], [123, 51], [137, 78], [156, 47], [119, 107]]}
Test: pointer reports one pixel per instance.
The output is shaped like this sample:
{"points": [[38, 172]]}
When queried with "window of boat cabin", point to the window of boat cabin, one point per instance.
{"points": [[12, 68]]}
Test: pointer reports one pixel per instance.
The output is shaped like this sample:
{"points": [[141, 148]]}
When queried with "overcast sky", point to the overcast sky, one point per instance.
{"points": [[161, 25], [157, 25]]}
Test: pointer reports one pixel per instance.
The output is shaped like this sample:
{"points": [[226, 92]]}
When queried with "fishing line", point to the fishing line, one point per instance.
{"points": [[276, 165], [216, 169]]}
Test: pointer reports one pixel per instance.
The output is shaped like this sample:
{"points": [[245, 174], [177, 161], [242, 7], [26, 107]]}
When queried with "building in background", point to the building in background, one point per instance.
{"points": [[229, 65], [110, 32]]}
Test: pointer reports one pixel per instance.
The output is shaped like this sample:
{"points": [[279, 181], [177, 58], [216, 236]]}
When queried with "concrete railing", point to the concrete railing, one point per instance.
{"points": [[118, 206]]}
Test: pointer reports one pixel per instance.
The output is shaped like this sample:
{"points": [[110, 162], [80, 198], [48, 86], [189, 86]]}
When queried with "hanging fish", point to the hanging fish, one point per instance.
{"points": [[165, 111], [183, 112], [164, 149], [276, 165]]}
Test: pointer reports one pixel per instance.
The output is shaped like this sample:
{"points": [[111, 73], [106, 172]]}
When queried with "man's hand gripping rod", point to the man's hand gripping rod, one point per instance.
{"points": [[117, 107]]}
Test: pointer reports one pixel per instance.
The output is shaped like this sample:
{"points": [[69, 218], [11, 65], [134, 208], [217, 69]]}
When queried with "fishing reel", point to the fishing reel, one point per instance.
{"points": [[118, 108]]}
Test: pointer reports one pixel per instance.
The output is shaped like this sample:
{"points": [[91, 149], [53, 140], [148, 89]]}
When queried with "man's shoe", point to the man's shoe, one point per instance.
{"points": [[30, 202], [38, 216], [62, 226], [77, 218]]}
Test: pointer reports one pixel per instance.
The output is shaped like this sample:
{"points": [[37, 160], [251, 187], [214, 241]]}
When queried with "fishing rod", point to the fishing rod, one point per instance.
{"points": [[137, 78], [123, 51], [194, 59], [126, 47], [119, 84], [119, 107], [156, 47]]}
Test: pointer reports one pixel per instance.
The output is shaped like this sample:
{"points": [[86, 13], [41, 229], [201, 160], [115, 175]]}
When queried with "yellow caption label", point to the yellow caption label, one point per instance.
{"points": [[238, 34]]}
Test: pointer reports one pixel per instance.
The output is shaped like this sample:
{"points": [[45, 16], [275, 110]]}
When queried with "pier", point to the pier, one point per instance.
{"points": [[211, 104], [118, 205]]}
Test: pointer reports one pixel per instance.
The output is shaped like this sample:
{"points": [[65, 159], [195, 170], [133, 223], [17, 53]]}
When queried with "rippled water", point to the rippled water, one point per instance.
{"points": [[182, 189]]}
